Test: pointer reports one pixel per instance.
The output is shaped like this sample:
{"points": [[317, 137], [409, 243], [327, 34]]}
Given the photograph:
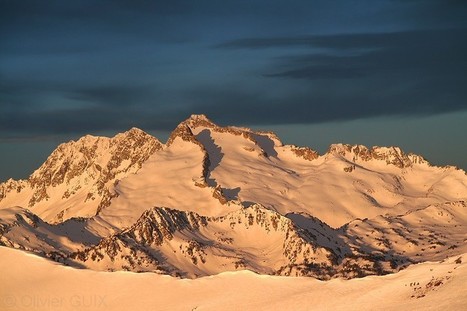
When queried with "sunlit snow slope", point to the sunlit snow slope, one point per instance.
{"points": [[428, 286]]}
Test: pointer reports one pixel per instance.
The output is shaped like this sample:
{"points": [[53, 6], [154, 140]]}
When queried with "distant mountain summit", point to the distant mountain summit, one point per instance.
{"points": [[214, 199], [78, 178]]}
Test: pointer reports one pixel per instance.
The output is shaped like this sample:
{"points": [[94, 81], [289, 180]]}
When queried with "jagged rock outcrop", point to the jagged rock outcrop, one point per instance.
{"points": [[159, 224], [13, 186], [183, 131], [201, 121], [88, 168], [114, 254], [190, 243], [304, 152], [391, 155], [198, 241]]}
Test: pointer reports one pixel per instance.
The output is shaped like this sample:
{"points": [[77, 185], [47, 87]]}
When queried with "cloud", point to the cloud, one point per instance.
{"points": [[116, 96], [83, 120], [68, 67], [320, 104], [351, 76], [351, 41], [416, 54]]}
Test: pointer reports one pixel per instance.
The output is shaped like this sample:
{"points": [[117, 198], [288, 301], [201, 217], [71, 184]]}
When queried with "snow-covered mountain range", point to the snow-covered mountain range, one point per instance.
{"points": [[215, 199]]}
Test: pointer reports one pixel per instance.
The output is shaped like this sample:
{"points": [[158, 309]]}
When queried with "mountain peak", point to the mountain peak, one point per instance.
{"points": [[134, 134], [199, 117], [184, 132], [86, 169], [185, 129], [135, 130], [85, 140], [199, 120]]}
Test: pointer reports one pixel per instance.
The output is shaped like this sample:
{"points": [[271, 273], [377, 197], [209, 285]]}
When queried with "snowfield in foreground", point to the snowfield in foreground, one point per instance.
{"points": [[45, 285]]}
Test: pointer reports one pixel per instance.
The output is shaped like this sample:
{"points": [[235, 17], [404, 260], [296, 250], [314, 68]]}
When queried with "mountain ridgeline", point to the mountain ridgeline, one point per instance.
{"points": [[214, 199]]}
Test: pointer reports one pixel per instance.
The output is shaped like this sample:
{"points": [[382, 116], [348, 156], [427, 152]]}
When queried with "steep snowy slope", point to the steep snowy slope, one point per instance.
{"points": [[20, 228], [172, 177], [78, 178], [346, 183]]}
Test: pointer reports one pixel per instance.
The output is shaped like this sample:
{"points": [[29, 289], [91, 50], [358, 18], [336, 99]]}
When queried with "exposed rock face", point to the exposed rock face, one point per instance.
{"points": [[159, 224], [11, 186], [192, 235], [197, 121], [308, 246], [219, 194], [390, 155], [183, 131], [305, 153], [114, 254], [200, 120], [89, 167], [302, 244], [128, 151], [303, 255]]}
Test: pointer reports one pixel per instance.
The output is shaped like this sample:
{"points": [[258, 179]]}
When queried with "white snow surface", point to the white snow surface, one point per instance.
{"points": [[45, 285]]}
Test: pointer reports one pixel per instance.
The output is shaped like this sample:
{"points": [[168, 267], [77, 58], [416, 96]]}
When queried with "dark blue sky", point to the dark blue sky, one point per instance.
{"points": [[377, 72]]}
